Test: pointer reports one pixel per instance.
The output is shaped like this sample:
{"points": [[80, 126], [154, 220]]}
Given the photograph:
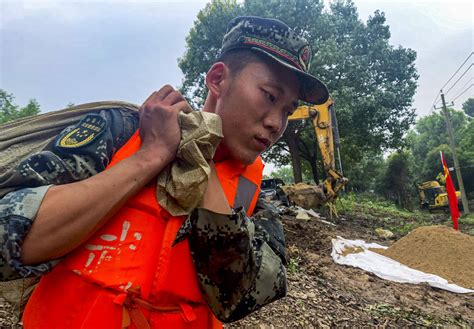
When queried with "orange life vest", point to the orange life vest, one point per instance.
{"points": [[128, 272]]}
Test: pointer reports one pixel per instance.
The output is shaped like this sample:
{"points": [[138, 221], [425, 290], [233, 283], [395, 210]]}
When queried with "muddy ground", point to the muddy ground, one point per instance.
{"points": [[324, 294]]}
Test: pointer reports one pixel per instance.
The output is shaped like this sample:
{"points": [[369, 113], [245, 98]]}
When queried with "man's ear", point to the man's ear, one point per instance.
{"points": [[216, 77]]}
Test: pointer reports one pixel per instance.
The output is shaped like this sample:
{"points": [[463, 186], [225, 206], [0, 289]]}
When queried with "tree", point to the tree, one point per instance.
{"points": [[366, 174], [430, 136], [397, 182], [466, 158], [468, 107], [202, 47], [284, 173], [372, 82], [10, 111]]}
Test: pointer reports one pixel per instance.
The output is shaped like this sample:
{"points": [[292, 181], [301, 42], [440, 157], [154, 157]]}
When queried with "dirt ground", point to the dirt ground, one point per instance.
{"points": [[324, 294]]}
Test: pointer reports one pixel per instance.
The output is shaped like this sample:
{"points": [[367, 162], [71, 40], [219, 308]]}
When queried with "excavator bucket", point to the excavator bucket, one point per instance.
{"points": [[305, 195]]}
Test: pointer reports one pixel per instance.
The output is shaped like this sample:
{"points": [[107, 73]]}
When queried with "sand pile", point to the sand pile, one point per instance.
{"points": [[437, 250]]}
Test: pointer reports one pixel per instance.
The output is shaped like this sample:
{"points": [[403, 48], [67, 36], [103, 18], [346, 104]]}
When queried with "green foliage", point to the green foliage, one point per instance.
{"points": [[415, 316], [468, 107], [203, 45], [380, 212], [467, 219], [466, 142], [284, 173], [430, 132], [466, 158], [430, 136], [397, 181], [372, 82], [371, 204], [365, 174], [9, 111], [293, 265]]}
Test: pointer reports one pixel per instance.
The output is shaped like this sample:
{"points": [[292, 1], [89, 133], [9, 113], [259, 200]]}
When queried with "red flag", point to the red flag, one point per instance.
{"points": [[451, 191]]}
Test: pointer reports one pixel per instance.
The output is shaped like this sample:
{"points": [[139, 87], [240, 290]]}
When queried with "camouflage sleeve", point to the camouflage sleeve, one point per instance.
{"points": [[17, 210], [80, 151], [73, 156], [239, 260]]}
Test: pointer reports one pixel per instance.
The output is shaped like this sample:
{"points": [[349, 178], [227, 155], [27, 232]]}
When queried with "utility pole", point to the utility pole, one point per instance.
{"points": [[455, 157]]}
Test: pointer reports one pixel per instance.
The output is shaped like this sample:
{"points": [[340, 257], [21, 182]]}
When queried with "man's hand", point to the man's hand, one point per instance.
{"points": [[159, 129]]}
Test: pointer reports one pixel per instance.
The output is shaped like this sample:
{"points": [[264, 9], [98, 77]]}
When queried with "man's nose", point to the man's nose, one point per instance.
{"points": [[273, 121]]}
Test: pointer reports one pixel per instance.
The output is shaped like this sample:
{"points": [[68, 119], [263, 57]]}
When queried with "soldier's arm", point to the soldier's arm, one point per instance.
{"points": [[55, 166], [71, 213], [17, 211], [240, 260], [64, 209]]}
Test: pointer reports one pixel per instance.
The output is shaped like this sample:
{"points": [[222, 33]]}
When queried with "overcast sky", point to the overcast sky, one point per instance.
{"points": [[81, 51]]}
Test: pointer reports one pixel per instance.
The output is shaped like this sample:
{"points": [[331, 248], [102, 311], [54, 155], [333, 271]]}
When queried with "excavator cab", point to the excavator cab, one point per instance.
{"points": [[433, 196]]}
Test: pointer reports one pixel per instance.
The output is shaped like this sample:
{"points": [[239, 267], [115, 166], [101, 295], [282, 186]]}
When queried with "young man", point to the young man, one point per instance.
{"points": [[124, 261]]}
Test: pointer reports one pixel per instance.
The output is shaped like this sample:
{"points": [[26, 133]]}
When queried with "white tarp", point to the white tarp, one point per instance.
{"points": [[384, 267]]}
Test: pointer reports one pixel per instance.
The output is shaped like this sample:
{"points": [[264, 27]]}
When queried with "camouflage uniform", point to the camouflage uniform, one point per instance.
{"points": [[239, 260]]}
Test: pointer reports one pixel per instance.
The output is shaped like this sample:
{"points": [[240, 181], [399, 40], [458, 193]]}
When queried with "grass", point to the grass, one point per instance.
{"points": [[293, 265], [466, 223], [467, 219], [414, 316], [385, 214], [371, 204]]}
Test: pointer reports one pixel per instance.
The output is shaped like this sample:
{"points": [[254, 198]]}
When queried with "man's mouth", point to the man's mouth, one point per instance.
{"points": [[262, 143]]}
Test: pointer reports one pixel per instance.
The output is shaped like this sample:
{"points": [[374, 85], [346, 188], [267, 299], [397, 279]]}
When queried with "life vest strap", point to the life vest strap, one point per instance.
{"points": [[133, 305]]}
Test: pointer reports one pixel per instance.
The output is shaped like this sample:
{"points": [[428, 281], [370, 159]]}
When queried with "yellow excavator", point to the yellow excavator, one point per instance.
{"points": [[323, 118], [433, 195]]}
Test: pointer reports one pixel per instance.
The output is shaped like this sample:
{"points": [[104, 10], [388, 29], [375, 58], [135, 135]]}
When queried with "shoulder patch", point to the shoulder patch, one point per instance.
{"points": [[85, 132]]}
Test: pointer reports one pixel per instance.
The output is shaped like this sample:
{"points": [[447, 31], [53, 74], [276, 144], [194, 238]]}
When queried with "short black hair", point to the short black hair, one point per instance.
{"points": [[237, 59]]}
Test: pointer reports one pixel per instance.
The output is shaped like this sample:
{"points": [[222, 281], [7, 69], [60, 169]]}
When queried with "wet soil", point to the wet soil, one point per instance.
{"points": [[324, 294]]}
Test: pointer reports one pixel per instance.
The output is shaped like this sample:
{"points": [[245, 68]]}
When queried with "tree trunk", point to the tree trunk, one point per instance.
{"points": [[295, 155], [314, 169], [309, 153]]}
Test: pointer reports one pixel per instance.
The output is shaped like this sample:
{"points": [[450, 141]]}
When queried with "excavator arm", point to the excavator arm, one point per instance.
{"points": [[323, 118]]}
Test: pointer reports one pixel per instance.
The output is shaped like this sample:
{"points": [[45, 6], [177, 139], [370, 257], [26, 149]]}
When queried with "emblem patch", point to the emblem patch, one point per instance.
{"points": [[87, 130], [305, 57]]}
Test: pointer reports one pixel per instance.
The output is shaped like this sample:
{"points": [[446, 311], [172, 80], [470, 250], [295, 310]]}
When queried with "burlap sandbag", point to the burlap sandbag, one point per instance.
{"points": [[26, 136], [179, 187]]}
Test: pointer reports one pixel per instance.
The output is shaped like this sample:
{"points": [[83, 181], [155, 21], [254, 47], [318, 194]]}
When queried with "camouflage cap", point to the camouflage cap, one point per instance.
{"points": [[279, 42]]}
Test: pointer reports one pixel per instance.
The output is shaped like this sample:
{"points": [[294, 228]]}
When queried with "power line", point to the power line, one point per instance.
{"points": [[472, 84], [458, 69], [459, 79], [434, 102], [467, 82], [464, 86]]}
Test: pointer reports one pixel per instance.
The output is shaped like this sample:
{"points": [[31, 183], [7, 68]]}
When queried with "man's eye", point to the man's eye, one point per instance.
{"points": [[270, 97]]}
